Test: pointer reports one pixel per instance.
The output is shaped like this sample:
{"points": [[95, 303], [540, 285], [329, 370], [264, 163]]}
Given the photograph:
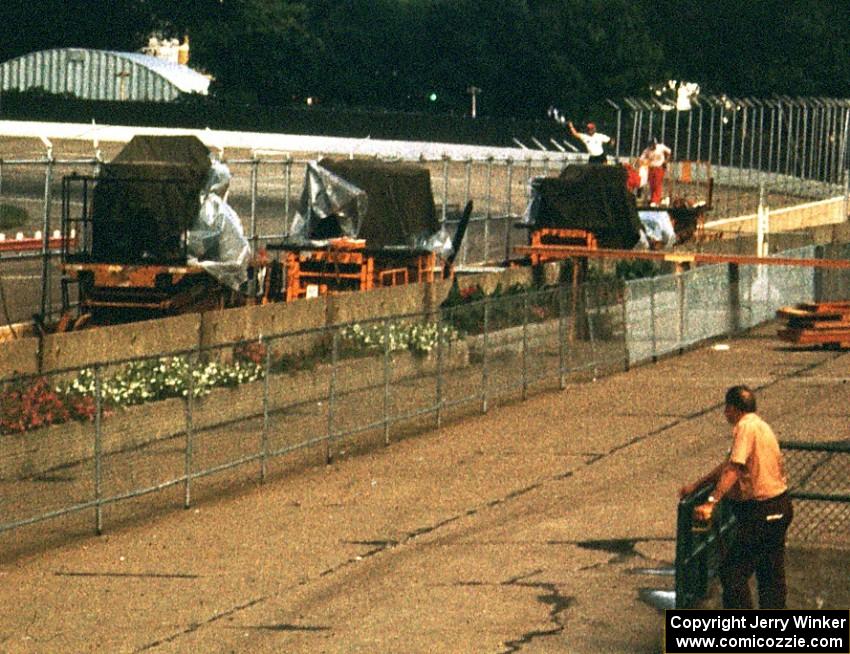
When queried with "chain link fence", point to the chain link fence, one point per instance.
{"points": [[818, 485], [140, 434], [780, 151], [817, 476]]}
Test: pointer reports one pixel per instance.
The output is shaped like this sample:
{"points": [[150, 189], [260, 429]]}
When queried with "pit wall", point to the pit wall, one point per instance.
{"points": [[25, 355], [29, 355]]}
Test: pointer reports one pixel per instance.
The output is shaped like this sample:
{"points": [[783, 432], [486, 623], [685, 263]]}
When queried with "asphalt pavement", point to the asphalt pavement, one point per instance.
{"points": [[535, 528]]}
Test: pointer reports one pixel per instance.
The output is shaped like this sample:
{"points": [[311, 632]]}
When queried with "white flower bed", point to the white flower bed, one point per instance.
{"points": [[158, 379], [418, 337]]}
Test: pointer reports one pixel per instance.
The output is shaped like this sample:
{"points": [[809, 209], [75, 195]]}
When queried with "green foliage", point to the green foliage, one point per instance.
{"points": [[525, 55], [506, 307], [12, 217], [637, 269]]}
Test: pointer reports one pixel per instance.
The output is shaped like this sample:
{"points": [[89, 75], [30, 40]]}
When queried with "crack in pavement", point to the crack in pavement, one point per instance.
{"points": [[284, 626], [152, 575], [197, 625], [559, 603]]}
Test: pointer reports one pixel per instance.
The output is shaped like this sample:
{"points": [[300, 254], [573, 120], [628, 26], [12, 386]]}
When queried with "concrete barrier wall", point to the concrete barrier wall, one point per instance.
{"points": [[18, 356], [354, 307], [245, 323], [83, 348], [215, 328]]}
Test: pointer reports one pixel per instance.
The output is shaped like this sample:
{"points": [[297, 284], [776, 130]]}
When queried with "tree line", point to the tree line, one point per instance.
{"points": [[525, 56]]}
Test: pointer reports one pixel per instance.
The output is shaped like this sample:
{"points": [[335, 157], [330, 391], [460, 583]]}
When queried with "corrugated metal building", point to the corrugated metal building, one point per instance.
{"points": [[101, 75]]}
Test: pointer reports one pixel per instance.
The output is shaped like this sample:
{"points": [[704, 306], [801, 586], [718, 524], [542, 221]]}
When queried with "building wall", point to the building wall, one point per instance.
{"points": [[88, 74]]}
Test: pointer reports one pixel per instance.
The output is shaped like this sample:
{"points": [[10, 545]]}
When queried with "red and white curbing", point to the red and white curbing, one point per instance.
{"points": [[34, 243]]}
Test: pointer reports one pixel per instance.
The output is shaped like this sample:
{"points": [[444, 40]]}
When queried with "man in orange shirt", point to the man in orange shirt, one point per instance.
{"points": [[753, 481]]}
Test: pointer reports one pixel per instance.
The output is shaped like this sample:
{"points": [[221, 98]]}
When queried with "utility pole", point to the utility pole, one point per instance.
{"points": [[473, 91]]}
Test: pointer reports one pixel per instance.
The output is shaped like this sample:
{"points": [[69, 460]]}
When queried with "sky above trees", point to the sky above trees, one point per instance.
{"points": [[524, 55]]}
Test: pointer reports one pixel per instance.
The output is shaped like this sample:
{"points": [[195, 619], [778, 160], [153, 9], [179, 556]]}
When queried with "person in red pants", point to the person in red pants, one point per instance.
{"points": [[655, 156]]}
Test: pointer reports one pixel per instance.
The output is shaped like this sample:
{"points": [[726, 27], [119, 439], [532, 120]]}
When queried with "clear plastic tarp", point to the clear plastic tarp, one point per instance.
{"points": [[332, 207], [216, 241], [657, 228]]}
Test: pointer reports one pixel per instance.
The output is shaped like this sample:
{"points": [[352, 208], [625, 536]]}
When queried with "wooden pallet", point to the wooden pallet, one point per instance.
{"points": [[824, 323]]}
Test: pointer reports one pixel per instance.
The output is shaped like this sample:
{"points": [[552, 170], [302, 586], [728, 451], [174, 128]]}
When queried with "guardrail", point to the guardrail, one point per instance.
{"points": [[313, 389], [815, 471]]}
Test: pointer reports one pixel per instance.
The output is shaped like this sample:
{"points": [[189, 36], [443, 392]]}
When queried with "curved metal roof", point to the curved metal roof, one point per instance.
{"points": [[101, 75], [183, 77]]}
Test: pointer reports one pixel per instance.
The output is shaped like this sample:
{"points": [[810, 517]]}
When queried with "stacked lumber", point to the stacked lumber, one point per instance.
{"points": [[824, 323]]}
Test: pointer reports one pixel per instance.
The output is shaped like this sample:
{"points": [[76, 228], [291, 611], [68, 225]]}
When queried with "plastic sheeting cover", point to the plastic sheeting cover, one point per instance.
{"points": [[329, 207], [216, 241], [388, 205], [657, 227]]}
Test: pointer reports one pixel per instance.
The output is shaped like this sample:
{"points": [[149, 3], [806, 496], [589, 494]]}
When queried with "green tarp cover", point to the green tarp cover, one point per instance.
{"points": [[146, 198], [589, 197]]}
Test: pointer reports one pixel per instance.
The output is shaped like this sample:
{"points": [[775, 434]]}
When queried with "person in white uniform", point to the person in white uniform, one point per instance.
{"points": [[594, 141]]}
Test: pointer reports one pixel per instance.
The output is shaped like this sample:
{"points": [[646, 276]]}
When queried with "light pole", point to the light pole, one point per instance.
{"points": [[473, 91]]}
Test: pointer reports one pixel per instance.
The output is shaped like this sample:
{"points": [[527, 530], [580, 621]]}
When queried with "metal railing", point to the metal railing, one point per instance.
{"points": [[818, 485], [698, 548], [804, 138], [265, 190], [239, 410]]}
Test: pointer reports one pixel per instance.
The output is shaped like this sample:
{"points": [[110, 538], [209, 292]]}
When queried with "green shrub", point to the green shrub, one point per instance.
{"points": [[637, 269], [12, 217]]}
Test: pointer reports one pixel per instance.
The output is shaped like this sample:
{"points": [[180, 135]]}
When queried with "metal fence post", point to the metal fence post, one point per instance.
{"points": [[98, 449], [652, 319], [681, 297], [762, 224], [190, 408], [485, 373], [287, 175], [562, 336], [439, 389], [45, 236], [255, 164], [525, 344], [733, 280], [467, 197], [445, 188], [264, 445], [489, 212], [386, 382], [509, 208], [332, 396]]}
